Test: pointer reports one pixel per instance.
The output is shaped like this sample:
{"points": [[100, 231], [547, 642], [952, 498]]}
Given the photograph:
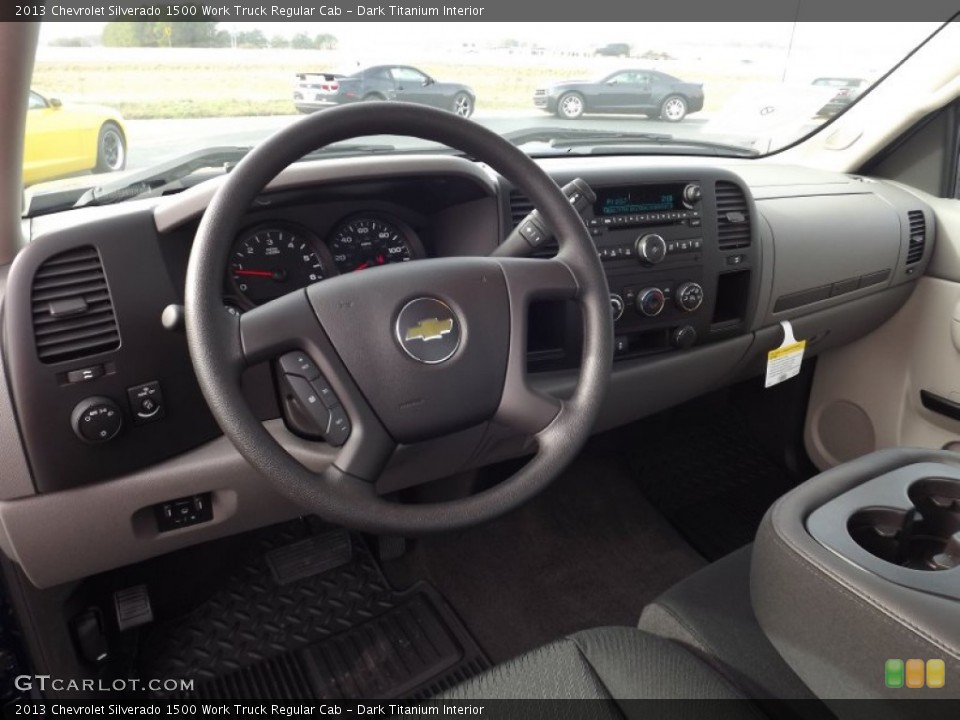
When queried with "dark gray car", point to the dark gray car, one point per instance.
{"points": [[315, 91], [648, 92]]}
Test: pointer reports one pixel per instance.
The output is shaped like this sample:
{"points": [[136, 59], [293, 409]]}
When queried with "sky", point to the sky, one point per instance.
{"points": [[849, 36]]}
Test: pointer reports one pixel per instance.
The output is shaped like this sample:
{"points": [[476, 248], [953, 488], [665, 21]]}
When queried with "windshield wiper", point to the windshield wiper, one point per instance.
{"points": [[141, 182], [585, 136], [596, 142]]}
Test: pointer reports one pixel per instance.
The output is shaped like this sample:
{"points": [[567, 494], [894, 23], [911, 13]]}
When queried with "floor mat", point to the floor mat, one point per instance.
{"points": [[708, 475], [338, 634], [588, 551]]}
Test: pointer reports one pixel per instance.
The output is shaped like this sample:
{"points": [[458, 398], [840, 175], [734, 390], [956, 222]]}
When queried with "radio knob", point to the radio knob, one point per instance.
{"points": [[689, 296], [692, 194], [684, 336], [651, 249], [650, 302], [616, 306]]}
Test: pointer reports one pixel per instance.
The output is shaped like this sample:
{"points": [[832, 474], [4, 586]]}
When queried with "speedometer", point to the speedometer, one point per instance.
{"points": [[270, 261], [366, 242]]}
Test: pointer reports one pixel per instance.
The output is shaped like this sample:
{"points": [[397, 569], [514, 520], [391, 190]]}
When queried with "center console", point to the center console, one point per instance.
{"points": [[856, 579], [681, 253]]}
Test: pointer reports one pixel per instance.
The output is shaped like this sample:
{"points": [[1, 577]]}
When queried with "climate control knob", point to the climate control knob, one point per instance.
{"points": [[616, 306], [651, 249], [689, 296], [650, 302], [96, 419]]}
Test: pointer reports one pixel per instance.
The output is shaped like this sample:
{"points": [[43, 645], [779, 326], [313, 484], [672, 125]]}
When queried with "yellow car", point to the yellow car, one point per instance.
{"points": [[67, 139]]}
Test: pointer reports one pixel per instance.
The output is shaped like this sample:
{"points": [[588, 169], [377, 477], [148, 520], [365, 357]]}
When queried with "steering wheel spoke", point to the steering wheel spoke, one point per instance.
{"points": [[528, 280], [319, 382]]}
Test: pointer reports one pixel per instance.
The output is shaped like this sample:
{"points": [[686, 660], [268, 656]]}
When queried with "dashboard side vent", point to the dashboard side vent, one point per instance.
{"points": [[918, 236], [73, 314], [733, 217]]}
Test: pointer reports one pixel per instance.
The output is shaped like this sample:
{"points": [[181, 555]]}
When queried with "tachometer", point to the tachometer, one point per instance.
{"points": [[271, 261], [366, 242]]}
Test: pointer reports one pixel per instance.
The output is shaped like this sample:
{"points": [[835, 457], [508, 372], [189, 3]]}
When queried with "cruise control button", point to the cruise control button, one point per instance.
{"points": [[299, 363], [531, 233]]}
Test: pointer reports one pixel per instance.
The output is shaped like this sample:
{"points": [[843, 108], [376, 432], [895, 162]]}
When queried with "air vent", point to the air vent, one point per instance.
{"points": [[72, 312], [733, 217], [918, 236], [520, 207]]}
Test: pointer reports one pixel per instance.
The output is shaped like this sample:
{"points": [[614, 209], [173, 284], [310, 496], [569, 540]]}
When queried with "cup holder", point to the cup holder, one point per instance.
{"points": [[925, 537]]}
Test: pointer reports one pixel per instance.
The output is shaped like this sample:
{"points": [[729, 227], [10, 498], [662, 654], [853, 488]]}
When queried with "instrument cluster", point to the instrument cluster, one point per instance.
{"points": [[273, 258]]}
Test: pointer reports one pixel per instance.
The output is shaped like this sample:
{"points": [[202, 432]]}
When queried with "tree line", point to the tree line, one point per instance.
{"points": [[205, 35]]}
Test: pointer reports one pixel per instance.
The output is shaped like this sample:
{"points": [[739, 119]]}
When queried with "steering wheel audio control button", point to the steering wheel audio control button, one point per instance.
{"points": [[339, 428], [96, 420], [299, 363], [309, 403], [323, 389]]}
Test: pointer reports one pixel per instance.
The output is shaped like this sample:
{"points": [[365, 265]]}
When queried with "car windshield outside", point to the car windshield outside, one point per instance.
{"points": [[136, 96]]}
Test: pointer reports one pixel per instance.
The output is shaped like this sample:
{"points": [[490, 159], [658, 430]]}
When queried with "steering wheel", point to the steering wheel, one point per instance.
{"points": [[412, 351]]}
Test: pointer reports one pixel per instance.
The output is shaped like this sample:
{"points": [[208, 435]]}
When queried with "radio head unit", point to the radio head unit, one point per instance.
{"points": [[636, 199]]}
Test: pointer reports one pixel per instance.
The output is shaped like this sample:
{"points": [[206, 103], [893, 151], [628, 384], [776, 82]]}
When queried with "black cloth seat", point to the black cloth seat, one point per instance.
{"points": [[698, 641], [710, 612], [613, 663]]}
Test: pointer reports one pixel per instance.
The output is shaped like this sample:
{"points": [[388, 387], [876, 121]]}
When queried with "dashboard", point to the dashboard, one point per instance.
{"points": [[704, 259]]}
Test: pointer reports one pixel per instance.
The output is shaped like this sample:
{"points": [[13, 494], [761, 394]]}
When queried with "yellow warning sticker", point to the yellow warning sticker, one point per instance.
{"points": [[797, 347], [784, 362]]}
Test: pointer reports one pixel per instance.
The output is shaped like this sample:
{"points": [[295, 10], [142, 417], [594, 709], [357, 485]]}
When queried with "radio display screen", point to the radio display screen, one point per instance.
{"points": [[639, 199]]}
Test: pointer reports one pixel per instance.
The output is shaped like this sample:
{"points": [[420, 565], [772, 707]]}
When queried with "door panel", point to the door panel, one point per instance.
{"points": [[52, 143], [624, 91], [866, 395], [410, 86]]}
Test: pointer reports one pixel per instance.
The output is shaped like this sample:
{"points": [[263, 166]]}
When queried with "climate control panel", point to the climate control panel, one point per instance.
{"points": [[658, 311]]}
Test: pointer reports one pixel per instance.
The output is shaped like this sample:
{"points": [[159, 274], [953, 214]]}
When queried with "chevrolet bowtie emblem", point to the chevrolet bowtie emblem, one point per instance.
{"points": [[427, 330]]}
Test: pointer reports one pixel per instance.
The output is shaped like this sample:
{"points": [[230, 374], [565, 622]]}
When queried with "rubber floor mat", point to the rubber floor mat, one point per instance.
{"points": [[708, 476], [344, 633]]}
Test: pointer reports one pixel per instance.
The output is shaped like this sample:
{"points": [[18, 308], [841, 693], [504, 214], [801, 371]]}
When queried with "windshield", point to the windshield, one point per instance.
{"points": [[130, 97]]}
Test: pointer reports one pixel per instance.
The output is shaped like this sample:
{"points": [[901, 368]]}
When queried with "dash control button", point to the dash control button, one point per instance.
{"points": [[96, 420], [87, 373], [146, 403]]}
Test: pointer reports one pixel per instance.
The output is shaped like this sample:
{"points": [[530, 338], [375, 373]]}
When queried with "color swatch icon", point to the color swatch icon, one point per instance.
{"points": [[893, 673], [914, 673], [936, 673]]}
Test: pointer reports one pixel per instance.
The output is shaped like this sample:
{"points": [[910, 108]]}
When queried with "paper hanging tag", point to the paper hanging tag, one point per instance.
{"points": [[784, 362]]}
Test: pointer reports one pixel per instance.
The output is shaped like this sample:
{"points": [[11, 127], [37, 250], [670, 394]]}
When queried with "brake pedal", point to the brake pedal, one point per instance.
{"points": [[309, 557], [132, 606], [391, 547]]}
